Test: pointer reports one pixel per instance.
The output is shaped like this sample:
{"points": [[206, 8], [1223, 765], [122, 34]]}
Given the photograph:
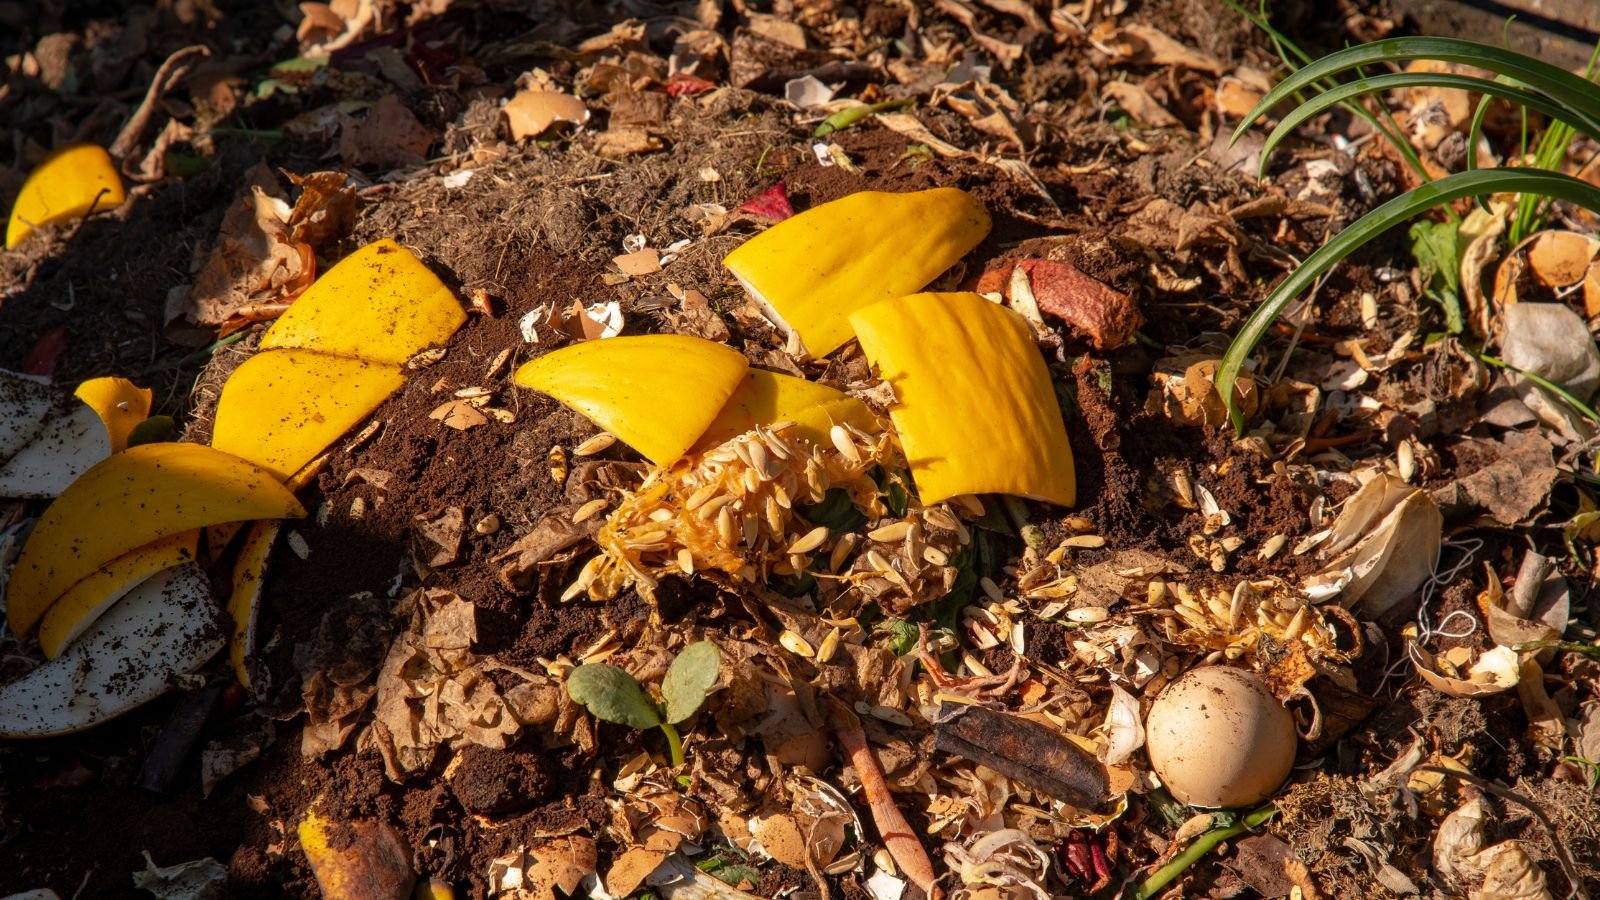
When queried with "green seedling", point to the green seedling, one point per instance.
{"points": [[844, 118], [614, 695]]}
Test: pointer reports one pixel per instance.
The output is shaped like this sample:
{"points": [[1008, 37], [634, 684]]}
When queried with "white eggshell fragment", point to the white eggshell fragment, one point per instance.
{"points": [[1218, 738], [167, 626]]}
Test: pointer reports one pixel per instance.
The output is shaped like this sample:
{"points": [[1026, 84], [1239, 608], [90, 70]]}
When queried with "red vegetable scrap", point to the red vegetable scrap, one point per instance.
{"points": [[1106, 318], [772, 203]]}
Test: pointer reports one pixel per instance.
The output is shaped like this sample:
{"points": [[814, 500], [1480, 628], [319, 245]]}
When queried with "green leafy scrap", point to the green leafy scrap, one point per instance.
{"points": [[613, 695], [689, 678]]}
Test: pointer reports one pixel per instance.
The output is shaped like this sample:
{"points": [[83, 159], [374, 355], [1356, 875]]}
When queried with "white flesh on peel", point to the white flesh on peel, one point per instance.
{"points": [[66, 447], [26, 402], [167, 626]]}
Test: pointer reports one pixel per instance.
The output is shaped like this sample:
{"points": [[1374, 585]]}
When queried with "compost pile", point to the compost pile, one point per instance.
{"points": [[626, 450]]}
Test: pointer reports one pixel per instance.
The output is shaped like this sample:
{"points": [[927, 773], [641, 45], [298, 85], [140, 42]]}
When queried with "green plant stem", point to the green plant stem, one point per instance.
{"points": [[674, 744], [1202, 845], [1545, 383]]}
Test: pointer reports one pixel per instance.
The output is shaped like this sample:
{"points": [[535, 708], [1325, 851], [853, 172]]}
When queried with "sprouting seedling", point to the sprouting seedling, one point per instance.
{"points": [[616, 696]]}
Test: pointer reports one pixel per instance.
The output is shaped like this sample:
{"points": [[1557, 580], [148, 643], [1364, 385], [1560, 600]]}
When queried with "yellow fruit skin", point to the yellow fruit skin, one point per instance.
{"points": [[976, 412], [283, 407], [767, 397], [380, 304], [128, 500], [818, 267], [119, 403], [85, 601], [66, 186], [249, 574], [657, 393], [370, 861]]}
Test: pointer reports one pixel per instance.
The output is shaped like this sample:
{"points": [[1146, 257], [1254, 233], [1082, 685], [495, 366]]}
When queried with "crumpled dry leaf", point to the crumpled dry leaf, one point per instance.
{"points": [[1147, 45], [541, 548], [1553, 342], [436, 539], [1397, 531], [266, 250], [390, 136], [433, 690], [200, 879], [1137, 102], [336, 670], [1512, 488], [1106, 318], [1188, 393], [1500, 872]]}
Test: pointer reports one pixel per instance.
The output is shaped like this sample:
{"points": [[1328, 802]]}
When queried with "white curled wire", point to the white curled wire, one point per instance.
{"points": [[1438, 579]]}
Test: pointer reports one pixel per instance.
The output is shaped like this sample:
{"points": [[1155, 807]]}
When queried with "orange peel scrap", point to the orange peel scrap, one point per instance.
{"points": [[68, 185], [657, 392], [974, 408], [814, 269]]}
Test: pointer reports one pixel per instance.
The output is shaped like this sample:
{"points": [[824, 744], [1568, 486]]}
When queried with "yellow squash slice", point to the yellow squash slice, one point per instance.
{"points": [[127, 501], [84, 602], [813, 270], [249, 577], [976, 413], [767, 397], [657, 393], [380, 304], [119, 403], [66, 186], [283, 407]]}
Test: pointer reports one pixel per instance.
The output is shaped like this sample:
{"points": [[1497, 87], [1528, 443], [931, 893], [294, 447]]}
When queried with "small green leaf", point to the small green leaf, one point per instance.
{"points": [[1433, 245], [690, 676], [902, 636], [835, 511], [613, 695], [844, 118], [154, 430]]}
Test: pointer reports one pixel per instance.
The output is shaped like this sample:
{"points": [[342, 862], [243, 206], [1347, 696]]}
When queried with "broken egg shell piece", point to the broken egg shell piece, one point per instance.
{"points": [[379, 304], [66, 186], [657, 393], [66, 448], [765, 398], [975, 411], [244, 603], [131, 499], [1560, 259], [283, 407], [1218, 738], [1495, 672], [165, 627], [89, 599], [119, 403], [531, 112], [816, 268]]}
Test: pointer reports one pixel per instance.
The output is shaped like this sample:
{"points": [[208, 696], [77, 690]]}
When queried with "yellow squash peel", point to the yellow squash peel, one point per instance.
{"points": [[83, 603], [974, 408], [767, 398], [119, 403], [813, 270], [68, 185], [657, 393], [282, 407], [249, 577], [131, 499], [379, 304]]}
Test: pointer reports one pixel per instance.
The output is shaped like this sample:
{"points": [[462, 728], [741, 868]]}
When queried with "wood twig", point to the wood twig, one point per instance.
{"points": [[172, 70]]}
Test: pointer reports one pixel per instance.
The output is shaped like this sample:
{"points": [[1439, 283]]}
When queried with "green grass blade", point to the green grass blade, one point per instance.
{"points": [[1558, 84], [1359, 233], [1404, 80]]}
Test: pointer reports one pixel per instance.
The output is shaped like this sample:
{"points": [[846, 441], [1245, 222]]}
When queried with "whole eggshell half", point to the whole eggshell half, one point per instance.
{"points": [[1218, 738]]}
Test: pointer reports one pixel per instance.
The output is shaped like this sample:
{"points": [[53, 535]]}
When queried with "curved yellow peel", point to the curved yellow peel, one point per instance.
{"points": [[66, 186], [767, 397], [244, 604], [130, 499], [380, 304], [356, 859], [655, 392], [84, 602], [218, 537], [975, 409], [818, 267], [283, 407], [119, 403]]}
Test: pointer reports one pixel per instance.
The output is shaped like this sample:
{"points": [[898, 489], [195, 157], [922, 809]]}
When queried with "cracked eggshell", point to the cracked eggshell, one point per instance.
{"points": [[166, 626], [1218, 738]]}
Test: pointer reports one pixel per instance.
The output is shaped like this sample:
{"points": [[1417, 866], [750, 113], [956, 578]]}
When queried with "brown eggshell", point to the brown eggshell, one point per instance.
{"points": [[1218, 738]]}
